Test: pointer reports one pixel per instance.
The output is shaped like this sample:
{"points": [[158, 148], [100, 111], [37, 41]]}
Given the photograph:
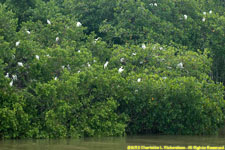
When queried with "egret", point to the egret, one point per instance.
{"points": [[122, 60], [14, 77], [185, 17], [139, 80], [7, 75], [94, 60], [68, 66], [28, 32], [210, 12], [20, 64], [49, 22], [63, 67], [57, 39], [17, 43], [155, 4], [203, 19], [143, 46], [88, 64], [37, 57], [78, 71], [78, 51], [164, 78], [106, 64], [180, 65], [151, 4], [55, 78], [79, 24], [121, 69], [133, 54], [11, 83], [169, 67], [204, 13], [96, 40]]}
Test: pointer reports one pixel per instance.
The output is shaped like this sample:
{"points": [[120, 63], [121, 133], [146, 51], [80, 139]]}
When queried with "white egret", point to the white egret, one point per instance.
{"points": [[78, 51], [143, 46], [203, 19], [17, 43], [185, 17], [155, 4], [204, 13], [20, 64], [37, 57], [151, 4], [210, 12], [94, 60], [139, 80], [133, 54], [55, 78], [180, 65], [14, 77], [7, 75], [122, 59], [88, 64], [63, 67], [169, 67], [79, 24], [96, 40], [121, 69], [28, 32], [78, 71], [11, 83], [106, 64], [49, 22], [57, 39]]}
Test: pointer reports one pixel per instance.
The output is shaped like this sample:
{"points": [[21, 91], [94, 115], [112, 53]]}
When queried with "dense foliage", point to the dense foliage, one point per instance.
{"points": [[73, 68]]}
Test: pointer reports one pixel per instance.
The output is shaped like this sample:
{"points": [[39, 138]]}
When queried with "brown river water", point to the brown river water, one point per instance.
{"points": [[114, 143]]}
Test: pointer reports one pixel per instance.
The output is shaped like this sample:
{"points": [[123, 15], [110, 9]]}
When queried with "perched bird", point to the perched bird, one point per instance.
{"points": [[17, 43], [37, 57], [139, 80], [94, 60], [155, 4], [96, 40], [63, 67], [133, 54], [78, 71], [7, 75], [57, 39], [164, 78], [204, 13], [121, 69], [169, 67], [106, 64], [49, 22], [68, 66], [203, 19], [210, 12], [151, 4], [143, 46], [11, 83], [55, 78], [20, 64], [185, 17], [78, 51], [122, 59], [79, 24], [28, 32], [180, 65], [88, 64], [14, 77]]}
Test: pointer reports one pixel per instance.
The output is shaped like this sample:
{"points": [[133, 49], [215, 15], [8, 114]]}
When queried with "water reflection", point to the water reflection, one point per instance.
{"points": [[116, 143]]}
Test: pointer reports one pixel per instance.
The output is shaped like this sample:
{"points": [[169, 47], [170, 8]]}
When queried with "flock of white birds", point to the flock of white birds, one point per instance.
{"points": [[121, 69]]}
